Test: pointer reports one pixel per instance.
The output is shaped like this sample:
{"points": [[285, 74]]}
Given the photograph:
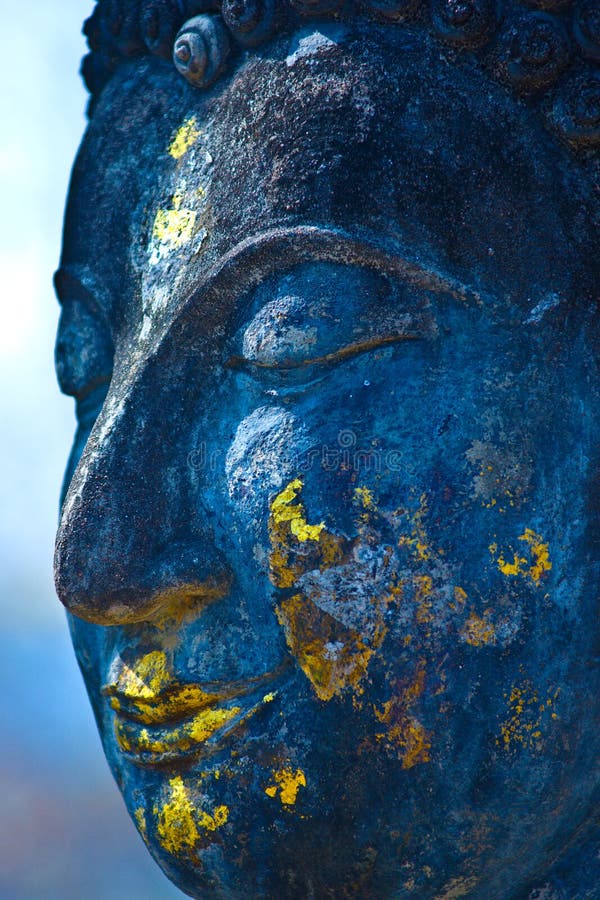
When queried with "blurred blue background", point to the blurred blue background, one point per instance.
{"points": [[64, 832]]}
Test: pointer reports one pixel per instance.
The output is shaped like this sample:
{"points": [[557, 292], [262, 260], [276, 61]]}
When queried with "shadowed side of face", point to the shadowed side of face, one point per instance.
{"points": [[329, 545]]}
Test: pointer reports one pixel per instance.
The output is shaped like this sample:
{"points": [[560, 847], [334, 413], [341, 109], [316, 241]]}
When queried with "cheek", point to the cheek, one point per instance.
{"points": [[262, 458]]}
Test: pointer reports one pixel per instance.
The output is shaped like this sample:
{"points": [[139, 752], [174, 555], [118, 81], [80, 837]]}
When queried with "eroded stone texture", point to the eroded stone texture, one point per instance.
{"points": [[330, 536]]}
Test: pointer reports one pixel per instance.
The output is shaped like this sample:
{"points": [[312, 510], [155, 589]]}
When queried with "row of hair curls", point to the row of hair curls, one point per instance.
{"points": [[547, 51]]}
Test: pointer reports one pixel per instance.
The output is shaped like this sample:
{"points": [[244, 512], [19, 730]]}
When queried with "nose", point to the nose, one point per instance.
{"points": [[132, 540]]}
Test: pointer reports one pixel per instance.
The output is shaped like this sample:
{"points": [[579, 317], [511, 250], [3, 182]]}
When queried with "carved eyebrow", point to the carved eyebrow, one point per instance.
{"points": [[249, 262]]}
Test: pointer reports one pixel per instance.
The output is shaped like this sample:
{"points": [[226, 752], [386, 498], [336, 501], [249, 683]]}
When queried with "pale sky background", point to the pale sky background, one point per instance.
{"points": [[64, 833]]}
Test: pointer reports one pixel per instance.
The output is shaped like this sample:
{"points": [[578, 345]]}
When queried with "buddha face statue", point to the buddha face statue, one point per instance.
{"points": [[330, 534]]}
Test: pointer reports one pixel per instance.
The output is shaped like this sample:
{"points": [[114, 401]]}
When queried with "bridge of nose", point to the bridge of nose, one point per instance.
{"points": [[130, 538]]}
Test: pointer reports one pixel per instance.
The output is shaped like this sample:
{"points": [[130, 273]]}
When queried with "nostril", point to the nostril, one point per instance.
{"points": [[107, 584], [123, 604]]}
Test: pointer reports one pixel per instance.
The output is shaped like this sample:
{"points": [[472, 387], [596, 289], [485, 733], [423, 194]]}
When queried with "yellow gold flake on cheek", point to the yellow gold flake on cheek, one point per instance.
{"points": [[479, 631], [296, 545], [287, 784], [332, 657], [364, 496], [529, 715], [286, 508], [423, 599], [418, 541], [534, 567], [404, 735]]}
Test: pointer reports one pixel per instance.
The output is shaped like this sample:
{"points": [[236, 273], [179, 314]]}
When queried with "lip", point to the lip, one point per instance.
{"points": [[184, 722]]}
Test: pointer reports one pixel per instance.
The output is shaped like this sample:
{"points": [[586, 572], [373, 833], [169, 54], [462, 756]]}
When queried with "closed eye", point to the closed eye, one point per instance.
{"points": [[328, 359], [321, 314]]}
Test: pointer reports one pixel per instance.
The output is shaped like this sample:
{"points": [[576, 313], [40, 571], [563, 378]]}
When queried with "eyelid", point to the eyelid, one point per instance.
{"points": [[346, 352]]}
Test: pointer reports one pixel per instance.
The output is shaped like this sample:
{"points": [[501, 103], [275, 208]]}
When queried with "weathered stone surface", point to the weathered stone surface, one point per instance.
{"points": [[330, 533]]}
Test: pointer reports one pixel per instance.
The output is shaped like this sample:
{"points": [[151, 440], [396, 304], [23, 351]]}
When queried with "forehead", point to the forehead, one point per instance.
{"points": [[374, 137]]}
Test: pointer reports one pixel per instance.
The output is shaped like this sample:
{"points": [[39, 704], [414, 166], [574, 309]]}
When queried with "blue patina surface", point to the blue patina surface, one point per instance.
{"points": [[330, 533]]}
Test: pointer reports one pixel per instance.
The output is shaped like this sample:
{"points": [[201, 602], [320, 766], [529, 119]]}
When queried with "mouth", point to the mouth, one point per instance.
{"points": [[185, 722]]}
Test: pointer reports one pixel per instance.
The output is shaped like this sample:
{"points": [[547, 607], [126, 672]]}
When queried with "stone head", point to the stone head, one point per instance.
{"points": [[329, 537]]}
